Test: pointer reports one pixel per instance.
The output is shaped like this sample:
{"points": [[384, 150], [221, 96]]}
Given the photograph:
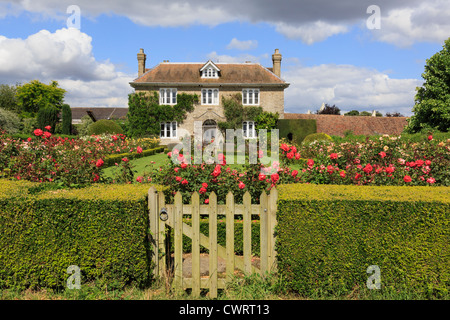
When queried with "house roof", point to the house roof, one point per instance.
{"points": [[100, 113], [189, 73]]}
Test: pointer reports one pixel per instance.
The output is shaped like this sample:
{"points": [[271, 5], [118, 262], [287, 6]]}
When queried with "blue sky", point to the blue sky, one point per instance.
{"points": [[329, 53]]}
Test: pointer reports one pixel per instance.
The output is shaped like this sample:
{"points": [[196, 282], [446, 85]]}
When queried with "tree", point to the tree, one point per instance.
{"points": [[8, 100], [35, 95], [329, 110], [352, 113], [66, 115], [432, 100]]}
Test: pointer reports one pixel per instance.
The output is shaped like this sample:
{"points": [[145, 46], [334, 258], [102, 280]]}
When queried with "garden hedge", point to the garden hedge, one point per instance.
{"points": [[295, 130], [103, 229], [328, 235]]}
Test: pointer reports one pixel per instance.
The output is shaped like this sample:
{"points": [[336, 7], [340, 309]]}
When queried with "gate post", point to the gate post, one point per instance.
{"points": [[154, 228]]}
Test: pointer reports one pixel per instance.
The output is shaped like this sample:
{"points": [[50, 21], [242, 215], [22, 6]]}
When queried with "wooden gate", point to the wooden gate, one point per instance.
{"points": [[173, 213]]}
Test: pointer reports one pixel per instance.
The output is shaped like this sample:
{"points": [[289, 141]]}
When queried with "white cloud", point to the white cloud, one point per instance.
{"points": [[242, 45], [427, 22], [65, 56], [215, 57], [312, 32], [348, 87]]}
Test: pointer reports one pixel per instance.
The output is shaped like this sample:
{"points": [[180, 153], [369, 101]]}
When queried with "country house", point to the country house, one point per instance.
{"points": [[258, 85]]}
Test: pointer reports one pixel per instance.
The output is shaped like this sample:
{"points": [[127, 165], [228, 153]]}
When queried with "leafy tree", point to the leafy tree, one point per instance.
{"points": [[9, 121], [35, 95], [8, 100], [352, 113], [266, 120], [329, 110], [66, 119], [432, 100], [394, 114]]}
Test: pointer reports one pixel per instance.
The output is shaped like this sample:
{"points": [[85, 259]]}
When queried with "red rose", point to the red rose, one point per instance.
{"points": [[430, 137], [241, 185], [407, 179], [330, 169], [204, 185], [427, 162], [99, 163], [297, 156], [178, 179], [431, 180], [368, 168], [342, 174], [139, 150], [47, 134], [382, 154], [38, 132], [284, 147], [294, 173], [333, 156], [48, 128], [202, 190], [358, 175], [290, 155], [310, 162], [183, 165], [262, 177], [29, 139], [139, 179], [125, 159], [216, 171], [206, 201], [184, 182], [274, 177]]}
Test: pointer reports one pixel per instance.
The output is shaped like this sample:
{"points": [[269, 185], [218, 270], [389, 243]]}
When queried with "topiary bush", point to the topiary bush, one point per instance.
{"points": [[320, 136], [103, 127]]}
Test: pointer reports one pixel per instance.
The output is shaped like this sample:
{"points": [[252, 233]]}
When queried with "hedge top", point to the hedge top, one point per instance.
{"points": [[365, 193], [119, 192]]}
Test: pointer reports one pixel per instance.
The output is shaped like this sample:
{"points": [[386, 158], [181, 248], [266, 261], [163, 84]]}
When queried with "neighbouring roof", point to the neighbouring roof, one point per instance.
{"points": [[100, 113], [189, 73]]}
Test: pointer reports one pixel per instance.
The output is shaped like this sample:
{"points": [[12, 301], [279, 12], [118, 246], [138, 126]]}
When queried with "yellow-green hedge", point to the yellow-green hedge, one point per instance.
{"points": [[328, 235], [103, 229]]}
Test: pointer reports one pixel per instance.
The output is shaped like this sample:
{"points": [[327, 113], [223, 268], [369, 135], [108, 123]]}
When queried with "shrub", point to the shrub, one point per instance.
{"points": [[328, 235], [66, 126], [104, 126], [47, 116], [101, 229], [9, 121], [295, 130], [320, 136]]}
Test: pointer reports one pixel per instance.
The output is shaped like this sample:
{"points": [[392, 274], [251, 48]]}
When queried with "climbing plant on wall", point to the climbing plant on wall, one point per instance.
{"points": [[145, 113], [235, 112]]}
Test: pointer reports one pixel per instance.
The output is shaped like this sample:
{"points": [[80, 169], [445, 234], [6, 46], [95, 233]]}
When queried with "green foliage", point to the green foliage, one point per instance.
{"points": [[35, 95], [295, 130], [47, 116], [432, 101], [329, 110], [82, 127], [327, 237], [101, 229], [352, 113], [66, 126], [104, 126], [267, 120], [28, 125], [145, 113], [9, 121], [236, 113], [365, 113], [8, 100], [112, 159], [320, 136]]}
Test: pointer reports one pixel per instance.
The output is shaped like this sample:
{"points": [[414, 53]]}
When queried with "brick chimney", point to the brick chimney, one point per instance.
{"points": [[141, 56], [276, 59]]}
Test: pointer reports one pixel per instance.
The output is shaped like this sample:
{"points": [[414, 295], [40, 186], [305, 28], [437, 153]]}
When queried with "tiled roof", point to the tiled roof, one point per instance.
{"points": [[360, 125], [230, 73], [100, 113]]}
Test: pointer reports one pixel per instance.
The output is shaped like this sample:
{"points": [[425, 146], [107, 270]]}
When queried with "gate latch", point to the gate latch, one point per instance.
{"points": [[163, 215]]}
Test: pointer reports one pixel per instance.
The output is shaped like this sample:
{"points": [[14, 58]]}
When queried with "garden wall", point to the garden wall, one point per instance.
{"points": [[328, 235], [101, 229]]}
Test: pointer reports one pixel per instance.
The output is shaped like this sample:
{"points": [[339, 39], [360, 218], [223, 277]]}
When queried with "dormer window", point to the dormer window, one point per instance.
{"points": [[210, 70]]}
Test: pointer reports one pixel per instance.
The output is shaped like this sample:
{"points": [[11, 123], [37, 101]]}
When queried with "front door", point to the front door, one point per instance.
{"points": [[209, 130]]}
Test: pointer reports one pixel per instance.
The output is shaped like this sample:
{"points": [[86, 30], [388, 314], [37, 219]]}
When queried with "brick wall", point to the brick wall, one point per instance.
{"points": [[360, 125]]}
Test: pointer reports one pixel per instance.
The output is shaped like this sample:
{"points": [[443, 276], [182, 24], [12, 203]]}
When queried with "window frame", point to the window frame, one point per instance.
{"points": [[246, 129], [251, 94], [214, 98], [167, 127], [168, 94]]}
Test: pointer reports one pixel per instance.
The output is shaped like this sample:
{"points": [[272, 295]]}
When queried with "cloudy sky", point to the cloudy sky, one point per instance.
{"points": [[355, 54]]}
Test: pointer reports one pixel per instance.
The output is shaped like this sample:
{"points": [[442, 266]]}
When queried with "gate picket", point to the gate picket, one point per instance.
{"points": [[161, 247]]}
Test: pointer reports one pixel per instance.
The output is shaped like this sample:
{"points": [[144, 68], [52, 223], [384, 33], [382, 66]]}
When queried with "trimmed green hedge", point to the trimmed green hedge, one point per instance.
{"points": [[103, 229], [111, 160], [295, 130], [328, 235]]}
